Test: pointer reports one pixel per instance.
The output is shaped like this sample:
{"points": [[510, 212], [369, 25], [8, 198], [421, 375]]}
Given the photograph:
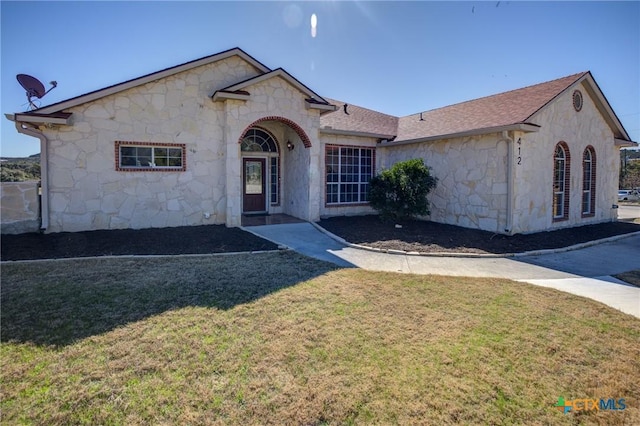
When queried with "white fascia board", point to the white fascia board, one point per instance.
{"points": [[622, 143], [34, 119], [323, 107], [354, 133], [523, 127], [111, 90], [223, 96]]}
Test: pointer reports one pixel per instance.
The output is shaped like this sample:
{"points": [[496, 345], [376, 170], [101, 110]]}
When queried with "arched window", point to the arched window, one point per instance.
{"points": [[257, 140], [588, 182], [561, 182]]}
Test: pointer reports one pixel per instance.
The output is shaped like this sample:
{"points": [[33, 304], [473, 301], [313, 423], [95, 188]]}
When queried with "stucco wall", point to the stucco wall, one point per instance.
{"points": [[19, 207], [472, 179], [534, 176]]}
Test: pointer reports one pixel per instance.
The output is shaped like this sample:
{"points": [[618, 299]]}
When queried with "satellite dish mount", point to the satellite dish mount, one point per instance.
{"points": [[34, 88]]}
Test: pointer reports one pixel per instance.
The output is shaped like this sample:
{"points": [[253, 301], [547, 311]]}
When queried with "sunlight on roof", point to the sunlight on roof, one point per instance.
{"points": [[314, 24]]}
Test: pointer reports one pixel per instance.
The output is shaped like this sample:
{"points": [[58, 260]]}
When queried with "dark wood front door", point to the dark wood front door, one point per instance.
{"points": [[253, 188]]}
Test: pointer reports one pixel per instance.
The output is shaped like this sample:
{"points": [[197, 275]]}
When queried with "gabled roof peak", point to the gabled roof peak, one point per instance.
{"points": [[138, 81]]}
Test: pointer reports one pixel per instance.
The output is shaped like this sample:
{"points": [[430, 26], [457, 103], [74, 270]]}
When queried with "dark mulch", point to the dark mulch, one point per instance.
{"points": [[154, 241], [430, 237]]}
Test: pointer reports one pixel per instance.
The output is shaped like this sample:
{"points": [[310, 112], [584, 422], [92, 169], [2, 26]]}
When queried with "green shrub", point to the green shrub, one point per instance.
{"points": [[401, 192]]}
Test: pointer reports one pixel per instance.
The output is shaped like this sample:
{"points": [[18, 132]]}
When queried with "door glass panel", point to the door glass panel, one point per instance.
{"points": [[253, 177]]}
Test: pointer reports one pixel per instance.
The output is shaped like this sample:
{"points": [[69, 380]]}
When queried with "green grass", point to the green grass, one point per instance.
{"points": [[278, 338]]}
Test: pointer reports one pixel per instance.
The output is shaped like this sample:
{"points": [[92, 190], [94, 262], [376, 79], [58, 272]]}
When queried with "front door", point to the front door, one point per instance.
{"points": [[253, 193]]}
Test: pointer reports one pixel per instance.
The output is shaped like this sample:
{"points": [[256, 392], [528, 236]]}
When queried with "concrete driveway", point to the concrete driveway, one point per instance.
{"points": [[585, 272]]}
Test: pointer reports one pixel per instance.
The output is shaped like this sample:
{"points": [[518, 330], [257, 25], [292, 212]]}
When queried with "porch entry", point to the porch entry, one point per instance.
{"points": [[260, 172], [254, 188]]}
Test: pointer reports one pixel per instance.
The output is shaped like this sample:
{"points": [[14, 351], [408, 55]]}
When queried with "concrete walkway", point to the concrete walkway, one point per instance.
{"points": [[585, 272]]}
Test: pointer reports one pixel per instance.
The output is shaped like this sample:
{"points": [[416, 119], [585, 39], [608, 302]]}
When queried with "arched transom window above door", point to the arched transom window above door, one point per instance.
{"points": [[257, 140]]}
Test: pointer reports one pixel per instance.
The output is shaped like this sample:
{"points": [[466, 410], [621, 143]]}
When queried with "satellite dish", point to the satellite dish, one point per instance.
{"points": [[34, 88]]}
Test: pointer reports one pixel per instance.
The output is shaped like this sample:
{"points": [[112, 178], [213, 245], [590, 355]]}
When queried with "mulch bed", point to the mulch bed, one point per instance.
{"points": [[155, 241], [420, 236], [430, 237]]}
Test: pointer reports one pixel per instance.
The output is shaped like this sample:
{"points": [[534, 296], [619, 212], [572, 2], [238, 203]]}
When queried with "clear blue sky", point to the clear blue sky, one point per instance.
{"points": [[396, 57]]}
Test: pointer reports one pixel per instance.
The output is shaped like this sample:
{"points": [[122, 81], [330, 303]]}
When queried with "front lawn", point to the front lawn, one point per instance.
{"points": [[277, 338]]}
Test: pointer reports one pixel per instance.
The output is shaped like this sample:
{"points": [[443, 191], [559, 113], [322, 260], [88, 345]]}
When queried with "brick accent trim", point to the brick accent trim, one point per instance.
{"points": [[594, 163], [567, 180], [117, 145], [299, 131]]}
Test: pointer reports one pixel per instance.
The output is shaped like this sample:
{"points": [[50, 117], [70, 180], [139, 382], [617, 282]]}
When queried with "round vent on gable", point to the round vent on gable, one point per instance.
{"points": [[577, 100]]}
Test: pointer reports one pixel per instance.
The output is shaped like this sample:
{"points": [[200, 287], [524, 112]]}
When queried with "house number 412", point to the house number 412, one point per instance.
{"points": [[519, 159]]}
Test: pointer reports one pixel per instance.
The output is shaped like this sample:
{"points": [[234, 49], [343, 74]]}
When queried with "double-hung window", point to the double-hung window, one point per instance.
{"points": [[561, 182], [131, 156], [588, 181], [348, 170]]}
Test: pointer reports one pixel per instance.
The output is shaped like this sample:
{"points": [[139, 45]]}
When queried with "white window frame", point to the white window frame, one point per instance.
{"points": [[151, 161], [587, 182], [559, 184], [361, 182]]}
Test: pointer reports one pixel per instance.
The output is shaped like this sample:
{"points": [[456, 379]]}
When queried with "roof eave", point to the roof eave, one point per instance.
{"points": [[327, 131], [604, 107], [223, 96], [522, 127], [623, 143], [39, 119], [321, 107]]}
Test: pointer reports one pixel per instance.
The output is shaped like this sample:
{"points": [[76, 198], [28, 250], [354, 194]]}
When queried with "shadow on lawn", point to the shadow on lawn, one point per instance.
{"points": [[60, 302]]}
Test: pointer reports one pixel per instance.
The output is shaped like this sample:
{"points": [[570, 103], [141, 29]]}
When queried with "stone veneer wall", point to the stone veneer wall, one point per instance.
{"points": [[19, 207], [472, 179], [534, 176], [86, 191]]}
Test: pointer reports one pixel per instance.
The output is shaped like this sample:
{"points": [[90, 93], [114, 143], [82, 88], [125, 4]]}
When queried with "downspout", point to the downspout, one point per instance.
{"points": [[44, 172], [510, 181]]}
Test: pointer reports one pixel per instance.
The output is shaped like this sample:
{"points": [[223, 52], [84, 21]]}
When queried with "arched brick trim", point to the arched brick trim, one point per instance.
{"points": [[566, 190], [592, 181], [303, 136]]}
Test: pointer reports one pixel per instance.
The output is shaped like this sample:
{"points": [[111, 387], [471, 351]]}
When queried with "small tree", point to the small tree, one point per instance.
{"points": [[401, 192]]}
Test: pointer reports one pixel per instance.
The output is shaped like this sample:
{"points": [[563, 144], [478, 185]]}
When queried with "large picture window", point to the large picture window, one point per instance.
{"points": [[348, 172], [132, 156]]}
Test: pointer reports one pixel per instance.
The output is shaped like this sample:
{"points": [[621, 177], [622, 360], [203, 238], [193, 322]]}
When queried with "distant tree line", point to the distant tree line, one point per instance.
{"points": [[20, 169]]}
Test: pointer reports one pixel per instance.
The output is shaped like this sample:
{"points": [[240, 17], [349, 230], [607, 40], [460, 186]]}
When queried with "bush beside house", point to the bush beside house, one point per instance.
{"points": [[401, 191]]}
